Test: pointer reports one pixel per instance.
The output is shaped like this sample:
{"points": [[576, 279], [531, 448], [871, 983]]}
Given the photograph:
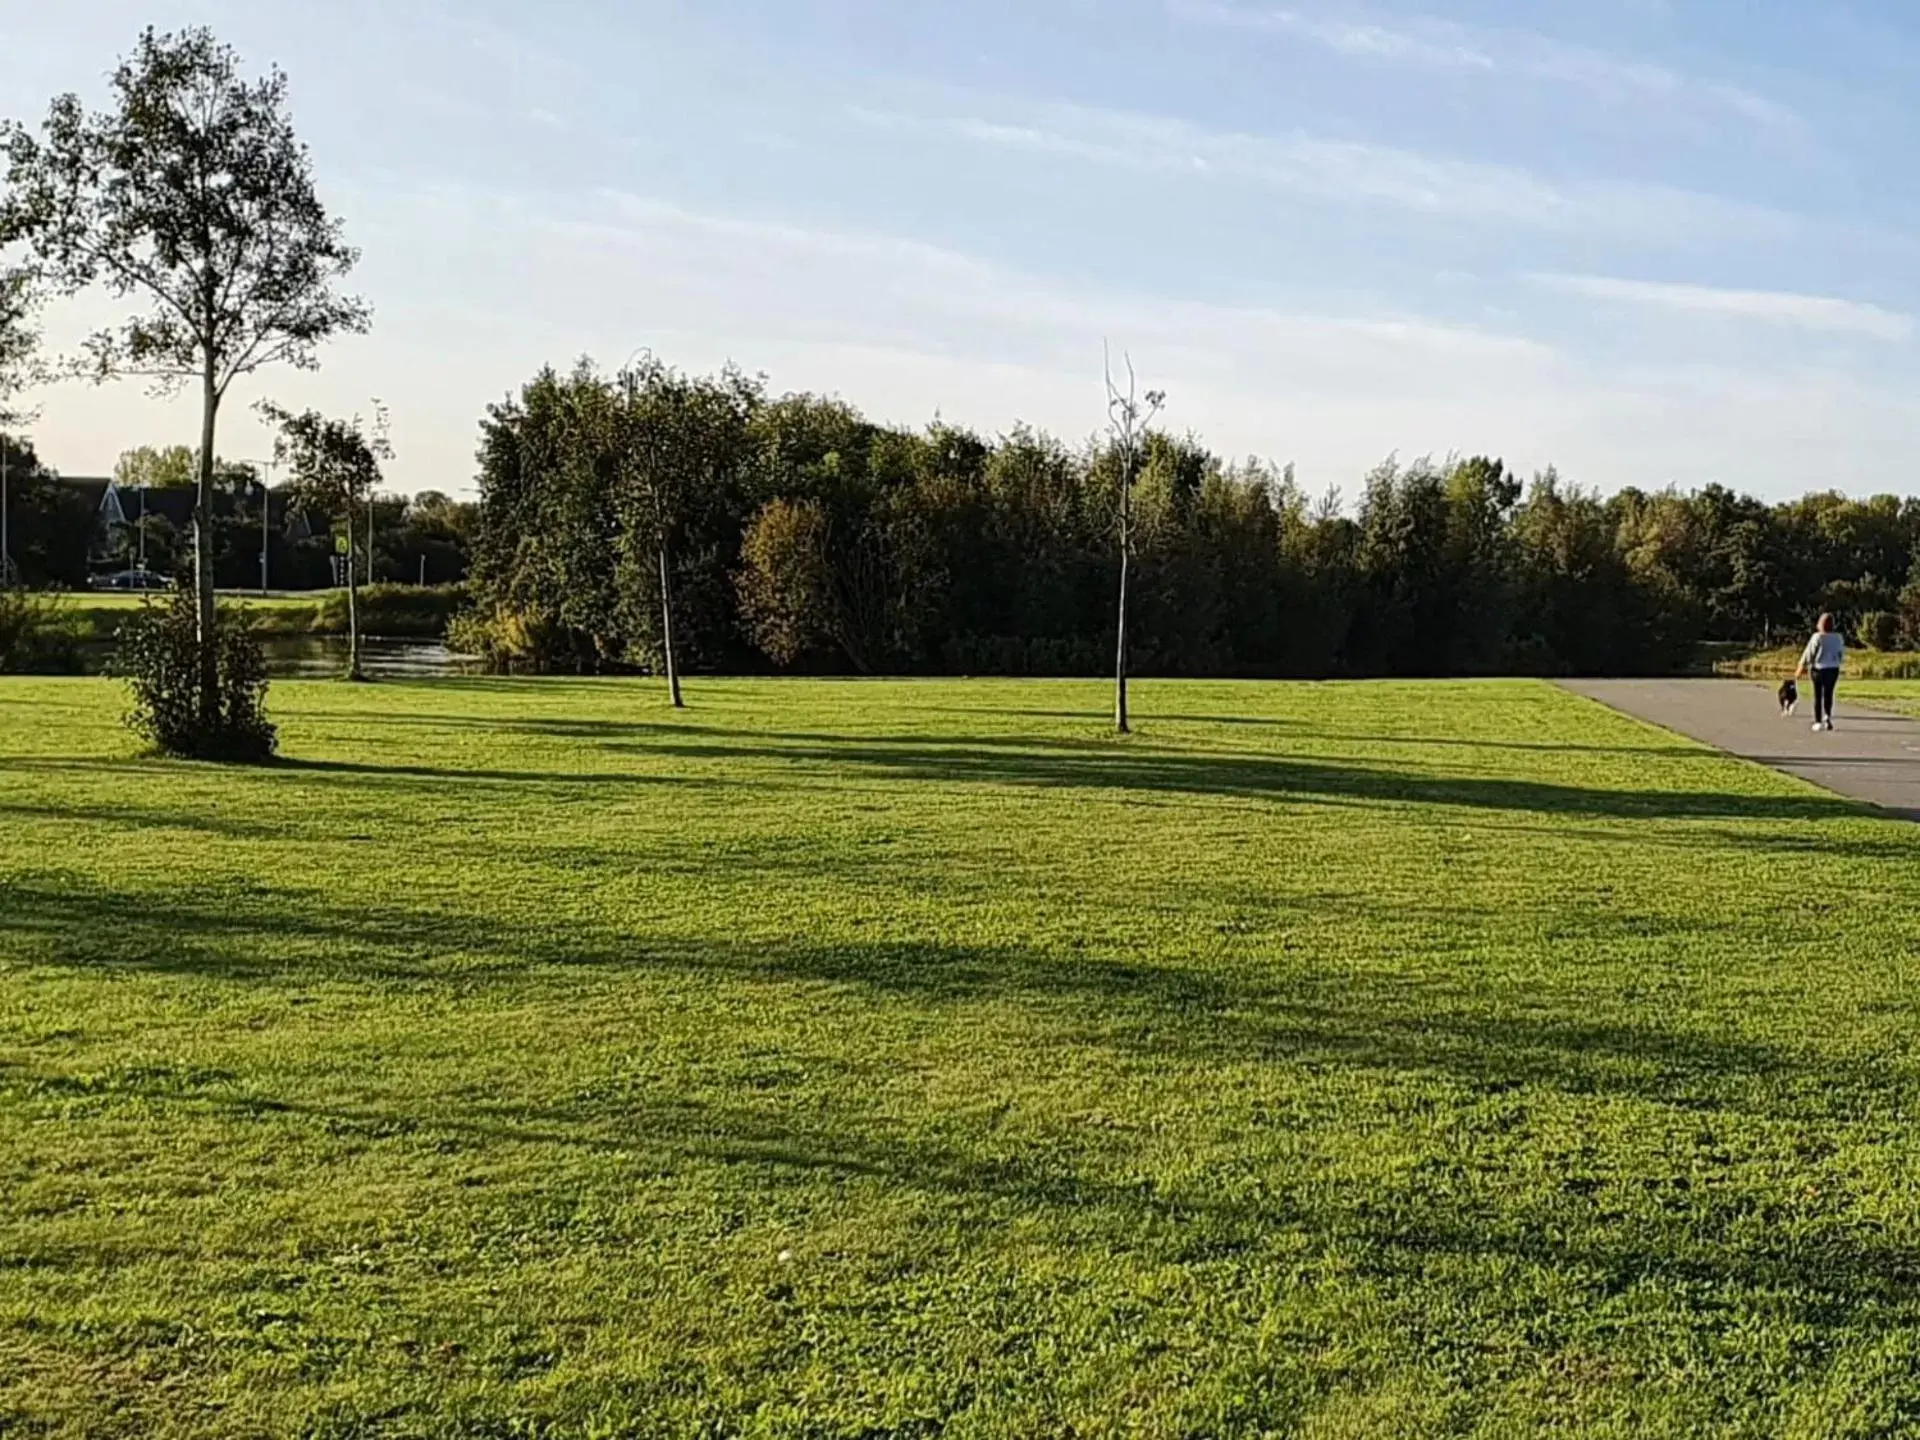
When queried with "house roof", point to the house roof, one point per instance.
{"points": [[94, 489], [172, 503]]}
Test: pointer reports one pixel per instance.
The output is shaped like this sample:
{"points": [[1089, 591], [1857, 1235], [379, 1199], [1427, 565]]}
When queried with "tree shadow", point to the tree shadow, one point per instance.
{"points": [[1107, 766], [137, 817], [370, 772], [1707, 1224], [1195, 1012]]}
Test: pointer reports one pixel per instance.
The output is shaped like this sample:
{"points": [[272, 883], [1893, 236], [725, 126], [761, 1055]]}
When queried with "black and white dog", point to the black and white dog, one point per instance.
{"points": [[1789, 697]]}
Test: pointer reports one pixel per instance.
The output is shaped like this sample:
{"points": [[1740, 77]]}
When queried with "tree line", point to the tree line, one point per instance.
{"points": [[791, 532]]}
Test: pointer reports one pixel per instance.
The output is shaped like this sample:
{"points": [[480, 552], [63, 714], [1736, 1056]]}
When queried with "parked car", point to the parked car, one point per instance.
{"points": [[130, 580]]}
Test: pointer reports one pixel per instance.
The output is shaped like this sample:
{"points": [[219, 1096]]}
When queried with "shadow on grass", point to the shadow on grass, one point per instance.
{"points": [[1193, 1013], [1105, 766], [1715, 1226], [1078, 764], [1718, 1231]]}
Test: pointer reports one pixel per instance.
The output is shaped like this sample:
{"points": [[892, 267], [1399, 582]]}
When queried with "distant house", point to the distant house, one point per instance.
{"points": [[120, 510]]}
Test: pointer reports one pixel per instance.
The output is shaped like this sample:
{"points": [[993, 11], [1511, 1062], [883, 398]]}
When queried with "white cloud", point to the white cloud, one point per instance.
{"points": [[1805, 312], [1347, 171], [905, 329], [1441, 46], [1447, 45]]}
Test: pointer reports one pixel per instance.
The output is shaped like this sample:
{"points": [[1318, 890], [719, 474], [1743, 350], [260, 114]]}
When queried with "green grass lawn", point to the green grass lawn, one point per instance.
{"points": [[1900, 696], [914, 1059]]}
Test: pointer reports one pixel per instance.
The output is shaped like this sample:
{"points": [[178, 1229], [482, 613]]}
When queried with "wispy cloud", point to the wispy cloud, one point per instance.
{"points": [[1348, 171], [906, 328], [1772, 307], [1443, 44]]}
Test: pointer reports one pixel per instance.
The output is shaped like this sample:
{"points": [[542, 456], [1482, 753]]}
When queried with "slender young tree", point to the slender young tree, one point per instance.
{"points": [[651, 471], [334, 467], [678, 438], [1130, 417], [192, 199]]}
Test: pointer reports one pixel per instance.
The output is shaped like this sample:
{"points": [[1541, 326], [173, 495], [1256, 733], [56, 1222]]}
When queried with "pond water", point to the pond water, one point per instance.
{"points": [[324, 657]]}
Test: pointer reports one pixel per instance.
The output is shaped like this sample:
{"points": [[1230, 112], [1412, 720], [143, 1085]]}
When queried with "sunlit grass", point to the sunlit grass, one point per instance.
{"points": [[913, 1059]]}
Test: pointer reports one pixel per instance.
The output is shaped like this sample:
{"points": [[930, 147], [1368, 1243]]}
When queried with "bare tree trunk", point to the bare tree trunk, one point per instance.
{"points": [[1120, 716], [1128, 419], [666, 630], [353, 603], [206, 621]]}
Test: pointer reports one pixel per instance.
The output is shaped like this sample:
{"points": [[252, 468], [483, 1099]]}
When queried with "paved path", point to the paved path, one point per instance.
{"points": [[1871, 756]]}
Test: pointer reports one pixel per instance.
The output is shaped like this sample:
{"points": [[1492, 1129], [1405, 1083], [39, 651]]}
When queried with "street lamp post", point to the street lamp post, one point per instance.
{"points": [[266, 511]]}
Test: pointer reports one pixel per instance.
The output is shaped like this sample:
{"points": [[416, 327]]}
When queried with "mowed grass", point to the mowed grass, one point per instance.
{"points": [[1900, 696], [916, 1059]]}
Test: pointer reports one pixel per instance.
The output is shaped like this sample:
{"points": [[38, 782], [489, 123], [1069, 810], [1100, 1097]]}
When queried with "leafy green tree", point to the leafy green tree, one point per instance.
{"points": [[18, 338], [335, 466], [546, 548], [192, 198], [172, 467], [786, 579], [679, 444], [50, 526], [18, 342]]}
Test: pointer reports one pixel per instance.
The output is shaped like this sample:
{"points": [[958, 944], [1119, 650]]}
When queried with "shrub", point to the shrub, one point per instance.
{"points": [[159, 658], [514, 642], [37, 636], [394, 612], [1880, 630]]}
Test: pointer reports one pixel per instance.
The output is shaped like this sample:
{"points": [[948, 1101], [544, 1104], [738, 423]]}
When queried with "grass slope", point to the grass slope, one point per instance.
{"points": [[893, 1060], [390, 611], [99, 615], [1862, 664]]}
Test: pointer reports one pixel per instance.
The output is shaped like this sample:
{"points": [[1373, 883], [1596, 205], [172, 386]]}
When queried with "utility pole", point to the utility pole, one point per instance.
{"points": [[266, 511]]}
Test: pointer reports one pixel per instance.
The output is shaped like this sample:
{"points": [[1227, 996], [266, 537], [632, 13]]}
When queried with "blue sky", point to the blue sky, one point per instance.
{"points": [[1648, 241]]}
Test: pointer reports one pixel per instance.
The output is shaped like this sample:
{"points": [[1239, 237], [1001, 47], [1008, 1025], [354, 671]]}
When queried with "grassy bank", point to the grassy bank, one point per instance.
{"points": [[523, 1058], [1862, 664], [399, 612]]}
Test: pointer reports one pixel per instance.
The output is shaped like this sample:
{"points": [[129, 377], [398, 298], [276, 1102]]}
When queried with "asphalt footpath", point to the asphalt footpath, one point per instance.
{"points": [[1871, 755]]}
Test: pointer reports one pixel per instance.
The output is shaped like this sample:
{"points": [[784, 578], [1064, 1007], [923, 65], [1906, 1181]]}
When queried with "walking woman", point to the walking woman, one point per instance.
{"points": [[1825, 653]]}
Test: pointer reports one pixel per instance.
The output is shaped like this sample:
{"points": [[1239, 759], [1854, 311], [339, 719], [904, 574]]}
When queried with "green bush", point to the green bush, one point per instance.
{"points": [[513, 642], [1880, 630], [159, 658], [38, 636], [394, 612]]}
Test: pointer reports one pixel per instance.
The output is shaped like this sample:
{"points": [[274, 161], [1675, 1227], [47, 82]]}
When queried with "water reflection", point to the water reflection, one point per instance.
{"points": [[324, 657]]}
